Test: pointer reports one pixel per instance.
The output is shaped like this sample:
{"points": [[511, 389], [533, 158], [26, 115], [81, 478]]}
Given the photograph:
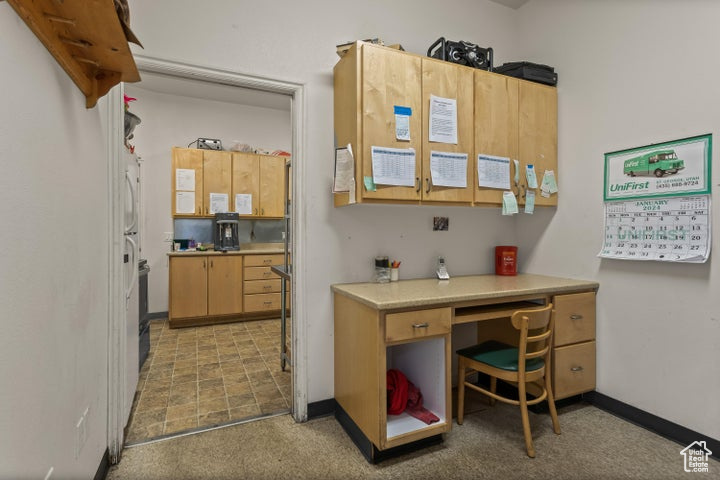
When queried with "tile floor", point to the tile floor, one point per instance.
{"points": [[205, 376]]}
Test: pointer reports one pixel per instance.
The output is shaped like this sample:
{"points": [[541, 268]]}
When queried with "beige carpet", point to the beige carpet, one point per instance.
{"points": [[593, 445]]}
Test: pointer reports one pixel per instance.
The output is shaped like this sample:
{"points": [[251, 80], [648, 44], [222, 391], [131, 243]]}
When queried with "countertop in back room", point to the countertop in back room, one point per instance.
{"points": [[245, 249]]}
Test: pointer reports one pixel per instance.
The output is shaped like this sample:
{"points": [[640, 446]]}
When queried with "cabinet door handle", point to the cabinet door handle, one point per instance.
{"points": [[576, 369], [262, 211], [203, 264], [421, 325], [524, 190], [255, 211], [427, 182], [206, 210], [199, 210], [576, 316], [419, 184], [211, 264]]}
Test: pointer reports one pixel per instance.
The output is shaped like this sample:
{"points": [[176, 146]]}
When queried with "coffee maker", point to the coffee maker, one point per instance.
{"points": [[225, 231]]}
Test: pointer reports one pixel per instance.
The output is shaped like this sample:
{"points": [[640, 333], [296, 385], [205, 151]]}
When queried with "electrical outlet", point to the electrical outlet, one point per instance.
{"points": [[168, 237]]}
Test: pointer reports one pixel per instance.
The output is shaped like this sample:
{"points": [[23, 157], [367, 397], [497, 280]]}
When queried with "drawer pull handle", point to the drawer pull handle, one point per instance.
{"points": [[268, 303], [576, 369], [267, 261], [267, 287], [421, 325], [575, 316]]}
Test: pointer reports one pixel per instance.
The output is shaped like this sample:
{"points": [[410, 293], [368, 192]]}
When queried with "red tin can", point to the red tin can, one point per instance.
{"points": [[505, 260]]}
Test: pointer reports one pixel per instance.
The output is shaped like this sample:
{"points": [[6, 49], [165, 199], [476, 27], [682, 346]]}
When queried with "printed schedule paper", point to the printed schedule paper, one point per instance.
{"points": [[493, 172], [393, 166], [443, 120], [448, 169], [672, 229]]}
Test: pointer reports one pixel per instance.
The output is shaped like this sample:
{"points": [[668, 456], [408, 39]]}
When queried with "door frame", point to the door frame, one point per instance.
{"points": [[115, 144]]}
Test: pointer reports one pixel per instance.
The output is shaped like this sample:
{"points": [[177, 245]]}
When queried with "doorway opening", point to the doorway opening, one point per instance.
{"points": [[234, 364]]}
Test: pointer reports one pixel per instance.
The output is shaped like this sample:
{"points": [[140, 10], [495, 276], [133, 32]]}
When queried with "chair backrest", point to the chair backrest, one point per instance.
{"points": [[536, 329]]}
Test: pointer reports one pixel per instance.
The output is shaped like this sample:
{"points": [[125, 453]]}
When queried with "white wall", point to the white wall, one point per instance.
{"points": [[631, 74], [54, 265], [295, 41], [172, 120]]}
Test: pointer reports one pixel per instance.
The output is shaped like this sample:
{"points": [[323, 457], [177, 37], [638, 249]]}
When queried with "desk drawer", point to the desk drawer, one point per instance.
{"points": [[261, 286], [259, 273], [263, 260], [573, 369], [574, 318], [417, 324]]}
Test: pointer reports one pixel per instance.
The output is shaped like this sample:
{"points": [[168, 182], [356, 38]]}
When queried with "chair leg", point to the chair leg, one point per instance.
{"points": [[460, 391], [551, 406], [525, 420], [493, 389]]}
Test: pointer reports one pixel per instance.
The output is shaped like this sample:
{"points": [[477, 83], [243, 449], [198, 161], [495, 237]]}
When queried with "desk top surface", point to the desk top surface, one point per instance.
{"points": [[430, 291]]}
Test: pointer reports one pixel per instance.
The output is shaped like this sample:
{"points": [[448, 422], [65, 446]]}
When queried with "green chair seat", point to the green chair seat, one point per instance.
{"points": [[499, 355]]}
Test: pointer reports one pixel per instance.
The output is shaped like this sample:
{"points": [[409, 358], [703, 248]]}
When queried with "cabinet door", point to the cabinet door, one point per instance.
{"points": [[188, 286], [225, 285], [188, 159], [496, 127], [447, 80], [246, 180], [390, 78], [272, 186], [217, 177], [538, 135]]}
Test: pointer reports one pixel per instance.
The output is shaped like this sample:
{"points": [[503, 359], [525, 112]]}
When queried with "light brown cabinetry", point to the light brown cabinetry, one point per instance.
{"points": [[204, 285], [496, 115], [262, 286], [537, 133], [368, 342], [212, 171], [574, 344], [230, 173], [263, 177]]}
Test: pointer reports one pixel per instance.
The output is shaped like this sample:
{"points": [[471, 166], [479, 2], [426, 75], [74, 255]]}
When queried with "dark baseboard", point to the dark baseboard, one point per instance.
{"points": [[154, 315], [368, 449], [665, 428], [323, 408], [104, 466]]}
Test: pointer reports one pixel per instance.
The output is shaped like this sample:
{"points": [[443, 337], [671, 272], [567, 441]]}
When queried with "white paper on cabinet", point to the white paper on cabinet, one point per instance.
{"points": [[393, 166], [219, 203], [184, 202], [185, 180], [243, 203], [443, 120], [448, 169], [344, 169], [493, 172]]}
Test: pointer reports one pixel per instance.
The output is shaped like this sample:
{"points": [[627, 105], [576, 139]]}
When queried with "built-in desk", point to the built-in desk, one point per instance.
{"points": [[407, 324]]}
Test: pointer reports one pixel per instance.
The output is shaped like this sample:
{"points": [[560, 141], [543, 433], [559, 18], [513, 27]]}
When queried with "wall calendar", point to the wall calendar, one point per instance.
{"points": [[675, 229], [657, 202]]}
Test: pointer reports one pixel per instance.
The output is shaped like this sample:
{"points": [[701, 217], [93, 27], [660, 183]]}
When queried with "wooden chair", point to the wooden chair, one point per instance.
{"points": [[528, 363]]}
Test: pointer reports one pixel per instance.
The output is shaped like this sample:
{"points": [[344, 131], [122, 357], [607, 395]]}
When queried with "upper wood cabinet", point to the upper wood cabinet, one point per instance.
{"points": [[496, 127], [496, 115], [389, 79], [444, 79], [187, 159], [263, 177], [229, 173], [538, 135]]}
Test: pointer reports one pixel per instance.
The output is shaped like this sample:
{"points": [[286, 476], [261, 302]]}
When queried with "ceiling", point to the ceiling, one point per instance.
{"points": [[511, 3], [212, 91]]}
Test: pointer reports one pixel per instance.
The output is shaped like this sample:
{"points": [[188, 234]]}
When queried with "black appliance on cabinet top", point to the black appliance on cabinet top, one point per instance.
{"points": [[225, 231], [534, 72], [462, 53]]}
